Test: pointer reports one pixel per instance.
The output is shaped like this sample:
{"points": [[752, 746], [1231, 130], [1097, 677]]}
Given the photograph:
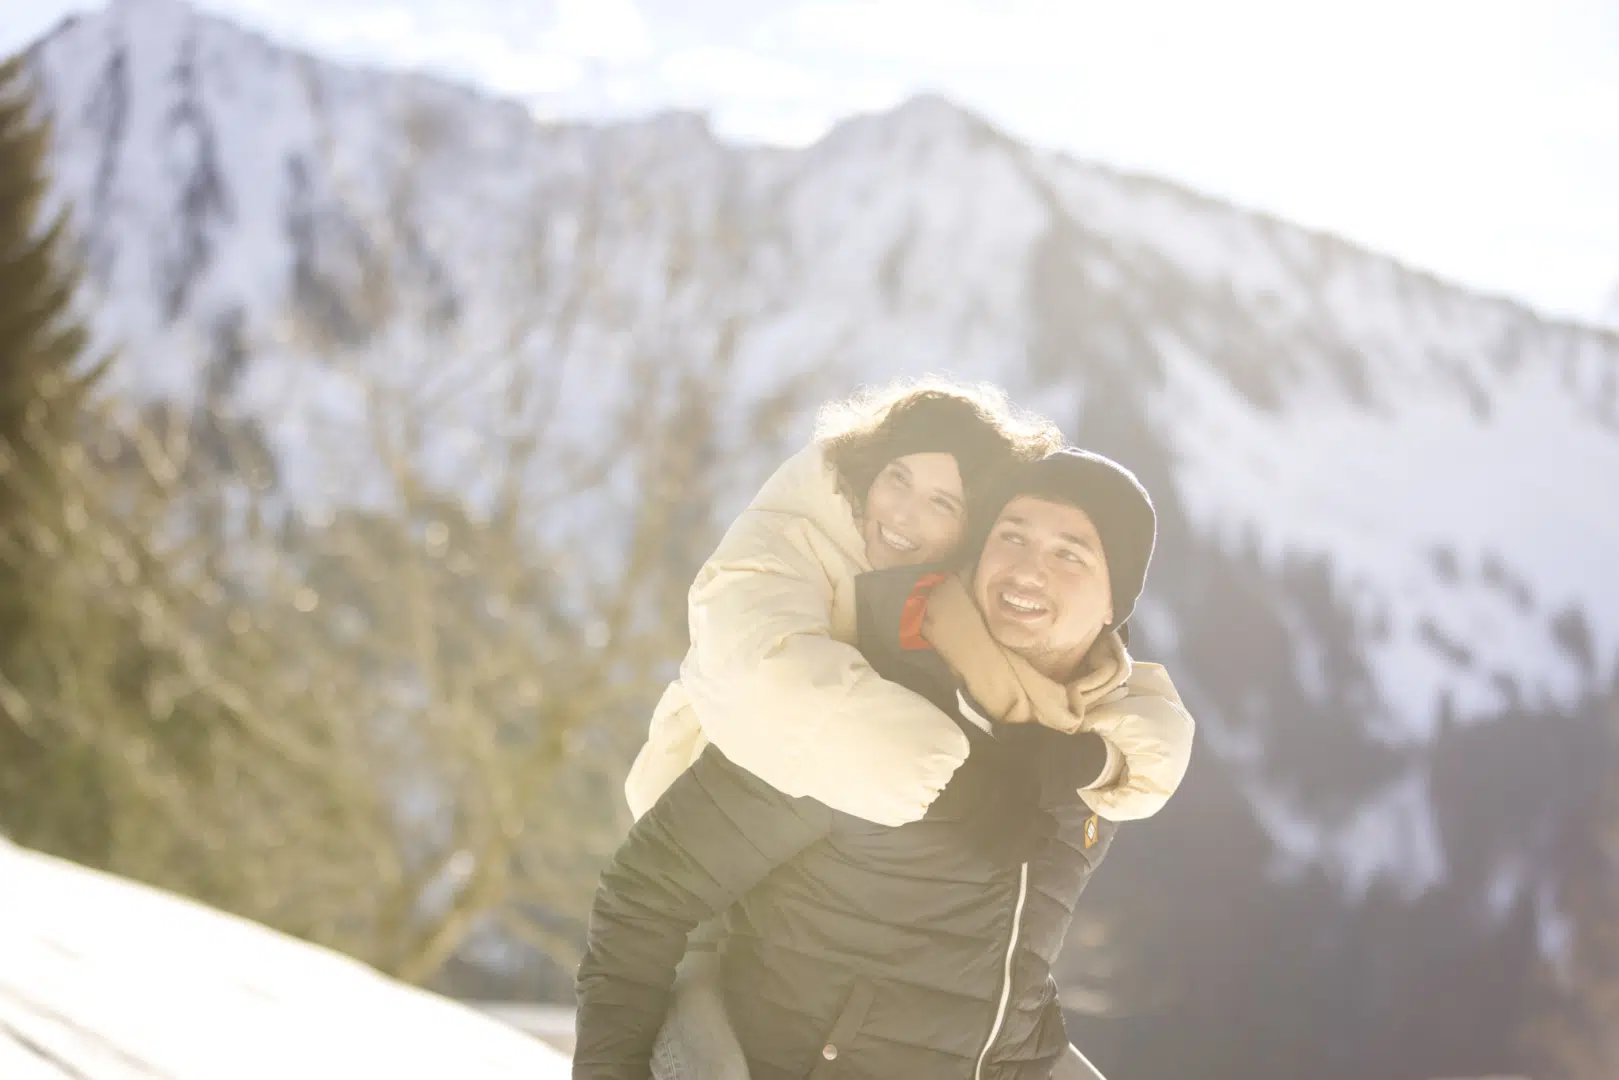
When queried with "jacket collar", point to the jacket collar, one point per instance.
{"points": [[807, 487]]}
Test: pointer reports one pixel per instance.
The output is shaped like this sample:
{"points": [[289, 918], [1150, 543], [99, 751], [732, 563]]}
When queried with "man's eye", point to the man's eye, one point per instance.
{"points": [[1011, 538]]}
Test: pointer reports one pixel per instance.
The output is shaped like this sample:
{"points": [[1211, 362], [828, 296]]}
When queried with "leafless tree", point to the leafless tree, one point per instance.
{"points": [[375, 682]]}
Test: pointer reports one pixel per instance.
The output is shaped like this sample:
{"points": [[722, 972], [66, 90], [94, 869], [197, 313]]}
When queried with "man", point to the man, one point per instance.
{"points": [[862, 951]]}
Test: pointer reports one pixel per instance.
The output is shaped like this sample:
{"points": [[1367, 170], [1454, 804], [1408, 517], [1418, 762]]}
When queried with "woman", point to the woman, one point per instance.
{"points": [[893, 477]]}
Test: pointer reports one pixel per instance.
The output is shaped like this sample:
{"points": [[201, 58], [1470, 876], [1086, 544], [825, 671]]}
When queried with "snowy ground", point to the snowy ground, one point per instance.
{"points": [[103, 979]]}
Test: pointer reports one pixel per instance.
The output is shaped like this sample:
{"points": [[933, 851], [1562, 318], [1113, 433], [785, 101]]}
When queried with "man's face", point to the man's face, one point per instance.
{"points": [[1042, 584]]}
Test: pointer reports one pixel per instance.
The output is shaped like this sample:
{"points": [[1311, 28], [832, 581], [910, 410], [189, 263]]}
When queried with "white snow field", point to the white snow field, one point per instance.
{"points": [[105, 979]]}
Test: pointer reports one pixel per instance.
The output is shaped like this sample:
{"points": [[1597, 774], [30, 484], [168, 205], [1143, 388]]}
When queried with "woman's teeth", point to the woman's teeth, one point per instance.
{"points": [[895, 540]]}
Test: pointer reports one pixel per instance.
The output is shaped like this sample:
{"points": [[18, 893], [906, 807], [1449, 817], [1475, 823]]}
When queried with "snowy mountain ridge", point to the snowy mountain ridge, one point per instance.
{"points": [[1444, 455]]}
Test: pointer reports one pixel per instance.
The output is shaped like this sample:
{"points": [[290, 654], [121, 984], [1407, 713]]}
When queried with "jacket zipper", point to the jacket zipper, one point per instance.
{"points": [[1006, 978]]}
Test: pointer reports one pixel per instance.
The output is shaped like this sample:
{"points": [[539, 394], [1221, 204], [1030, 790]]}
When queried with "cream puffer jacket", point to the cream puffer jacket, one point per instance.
{"points": [[774, 680]]}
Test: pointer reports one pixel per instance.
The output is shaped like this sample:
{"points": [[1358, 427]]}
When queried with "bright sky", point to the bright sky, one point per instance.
{"points": [[1475, 138]]}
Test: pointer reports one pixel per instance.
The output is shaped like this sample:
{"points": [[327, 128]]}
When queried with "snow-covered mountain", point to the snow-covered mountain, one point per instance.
{"points": [[105, 979], [1385, 581]]}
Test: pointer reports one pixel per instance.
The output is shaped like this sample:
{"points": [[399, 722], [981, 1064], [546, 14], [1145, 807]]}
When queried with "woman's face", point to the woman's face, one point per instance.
{"points": [[916, 511]]}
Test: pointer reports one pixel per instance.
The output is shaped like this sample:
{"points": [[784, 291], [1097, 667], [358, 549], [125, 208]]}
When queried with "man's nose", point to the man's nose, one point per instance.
{"points": [[1027, 571]]}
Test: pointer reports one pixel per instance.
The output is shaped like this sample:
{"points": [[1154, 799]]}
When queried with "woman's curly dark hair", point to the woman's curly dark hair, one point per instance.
{"points": [[975, 422]]}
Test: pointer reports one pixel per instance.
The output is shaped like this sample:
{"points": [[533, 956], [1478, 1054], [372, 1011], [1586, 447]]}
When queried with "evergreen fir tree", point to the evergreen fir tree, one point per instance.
{"points": [[43, 380], [1575, 1036], [40, 343]]}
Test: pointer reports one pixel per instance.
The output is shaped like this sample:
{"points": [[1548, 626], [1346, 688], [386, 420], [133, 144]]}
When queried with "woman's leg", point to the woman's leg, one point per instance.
{"points": [[1075, 1066], [697, 1041]]}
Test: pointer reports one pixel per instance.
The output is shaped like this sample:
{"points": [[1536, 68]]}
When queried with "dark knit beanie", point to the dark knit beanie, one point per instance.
{"points": [[1111, 497]]}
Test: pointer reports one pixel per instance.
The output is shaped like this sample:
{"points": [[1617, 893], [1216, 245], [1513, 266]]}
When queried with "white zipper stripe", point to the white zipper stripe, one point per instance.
{"points": [[973, 716], [1006, 979]]}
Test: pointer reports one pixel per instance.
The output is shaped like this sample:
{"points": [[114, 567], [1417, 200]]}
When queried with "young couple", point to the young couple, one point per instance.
{"points": [[903, 737]]}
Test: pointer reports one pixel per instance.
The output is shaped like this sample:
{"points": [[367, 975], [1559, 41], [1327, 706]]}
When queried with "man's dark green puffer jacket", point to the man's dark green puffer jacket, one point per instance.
{"points": [[857, 950]]}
